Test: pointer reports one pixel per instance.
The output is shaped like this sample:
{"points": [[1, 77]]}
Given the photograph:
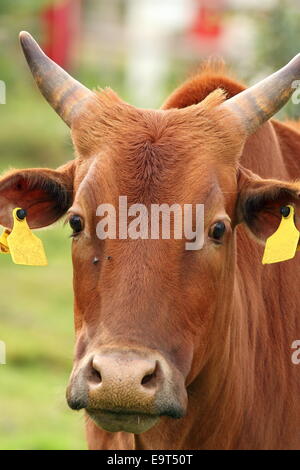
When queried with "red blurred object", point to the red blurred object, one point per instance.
{"points": [[61, 22], [208, 22]]}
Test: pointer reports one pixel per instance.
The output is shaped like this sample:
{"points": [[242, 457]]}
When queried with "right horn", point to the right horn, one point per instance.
{"points": [[257, 104], [63, 93]]}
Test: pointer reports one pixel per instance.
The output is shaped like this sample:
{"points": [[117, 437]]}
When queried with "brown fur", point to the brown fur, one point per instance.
{"points": [[222, 318]]}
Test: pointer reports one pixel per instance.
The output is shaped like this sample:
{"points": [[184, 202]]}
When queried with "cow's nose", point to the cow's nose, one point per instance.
{"points": [[123, 381], [137, 373], [128, 374]]}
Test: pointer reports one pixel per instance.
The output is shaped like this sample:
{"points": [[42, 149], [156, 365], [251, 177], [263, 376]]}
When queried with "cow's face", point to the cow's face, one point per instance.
{"points": [[145, 309]]}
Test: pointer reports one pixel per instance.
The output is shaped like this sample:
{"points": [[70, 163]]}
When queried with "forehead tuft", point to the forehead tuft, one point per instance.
{"points": [[149, 154], [109, 120]]}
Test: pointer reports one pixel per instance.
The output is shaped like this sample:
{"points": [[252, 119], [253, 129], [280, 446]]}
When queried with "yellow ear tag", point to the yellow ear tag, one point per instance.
{"points": [[282, 245], [24, 246], [3, 242]]}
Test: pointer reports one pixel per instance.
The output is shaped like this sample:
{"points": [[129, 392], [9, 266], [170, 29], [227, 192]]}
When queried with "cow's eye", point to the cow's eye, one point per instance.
{"points": [[217, 231], [76, 224]]}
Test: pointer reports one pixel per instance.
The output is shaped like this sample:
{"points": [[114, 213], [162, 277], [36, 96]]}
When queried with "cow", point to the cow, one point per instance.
{"points": [[176, 349]]}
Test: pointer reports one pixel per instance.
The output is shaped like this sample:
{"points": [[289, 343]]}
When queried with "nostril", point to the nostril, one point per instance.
{"points": [[94, 376], [150, 379]]}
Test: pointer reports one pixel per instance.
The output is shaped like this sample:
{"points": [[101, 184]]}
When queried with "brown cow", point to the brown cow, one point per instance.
{"points": [[177, 349]]}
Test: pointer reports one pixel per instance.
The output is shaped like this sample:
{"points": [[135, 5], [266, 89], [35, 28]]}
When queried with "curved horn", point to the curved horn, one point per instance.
{"points": [[62, 92], [260, 102]]}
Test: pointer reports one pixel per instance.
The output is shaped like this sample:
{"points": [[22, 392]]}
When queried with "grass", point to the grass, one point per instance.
{"points": [[36, 323]]}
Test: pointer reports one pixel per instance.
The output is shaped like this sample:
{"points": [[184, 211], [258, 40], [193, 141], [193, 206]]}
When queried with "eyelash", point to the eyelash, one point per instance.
{"points": [[74, 235], [68, 220], [217, 241]]}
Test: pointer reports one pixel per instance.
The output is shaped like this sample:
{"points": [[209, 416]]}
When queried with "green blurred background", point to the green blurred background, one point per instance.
{"points": [[112, 46]]}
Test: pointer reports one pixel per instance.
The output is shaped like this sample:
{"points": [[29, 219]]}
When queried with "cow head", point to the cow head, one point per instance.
{"points": [[146, 310]]}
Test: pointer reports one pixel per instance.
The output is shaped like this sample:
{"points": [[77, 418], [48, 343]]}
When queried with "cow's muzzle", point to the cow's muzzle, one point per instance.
{"points": [[127, 390]]}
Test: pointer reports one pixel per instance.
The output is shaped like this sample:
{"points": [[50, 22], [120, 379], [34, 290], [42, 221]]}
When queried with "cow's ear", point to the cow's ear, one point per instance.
{"points": [[260, 201], [45, 194]]}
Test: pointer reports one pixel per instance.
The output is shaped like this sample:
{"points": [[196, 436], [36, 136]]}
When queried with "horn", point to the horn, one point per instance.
{"points": [[63, 93], [257, 104]]}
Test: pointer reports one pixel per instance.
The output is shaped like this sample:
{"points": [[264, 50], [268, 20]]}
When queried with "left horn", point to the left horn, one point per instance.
{"points": [[63, 93], [257, 104]]}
